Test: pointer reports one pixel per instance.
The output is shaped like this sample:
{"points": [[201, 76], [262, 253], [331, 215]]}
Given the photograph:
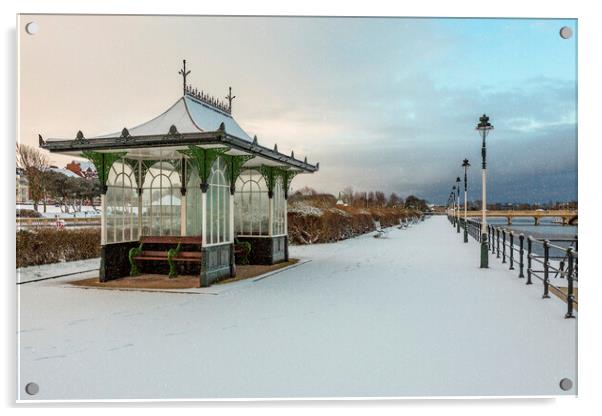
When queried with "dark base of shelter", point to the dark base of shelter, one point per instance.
{"points": [[217, 262]]}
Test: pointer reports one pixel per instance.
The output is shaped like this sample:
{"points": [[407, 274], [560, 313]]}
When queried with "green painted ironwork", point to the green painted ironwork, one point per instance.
{"points": [[135, 251], [171, 253], [202, 159], [287, 178], [271, 173], [103, 162], [234, 163]]}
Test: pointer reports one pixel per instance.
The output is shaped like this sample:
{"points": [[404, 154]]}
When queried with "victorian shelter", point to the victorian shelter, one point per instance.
{"points": [[191, 171]]}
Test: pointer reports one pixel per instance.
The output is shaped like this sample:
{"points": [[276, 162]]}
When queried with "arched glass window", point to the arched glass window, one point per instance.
{"points": [[279, 208], [194, 221], [121, 204], [218, 204], [251, 204], [161, 200]]}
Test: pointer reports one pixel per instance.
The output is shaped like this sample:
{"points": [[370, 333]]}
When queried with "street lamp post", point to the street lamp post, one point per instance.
{"points": [[458, 202], [465, 165], [451, 207], [484, 127], [454, 205]]}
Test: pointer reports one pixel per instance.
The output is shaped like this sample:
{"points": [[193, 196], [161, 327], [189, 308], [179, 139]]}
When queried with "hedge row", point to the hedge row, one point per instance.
{"points": [[310, 226], [45, 246]]}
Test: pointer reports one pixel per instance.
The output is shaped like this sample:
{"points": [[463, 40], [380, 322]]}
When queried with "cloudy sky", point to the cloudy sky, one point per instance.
{"points": [[385, 103]]}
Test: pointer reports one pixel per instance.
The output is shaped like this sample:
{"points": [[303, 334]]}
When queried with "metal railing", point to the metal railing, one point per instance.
{"points": [[534, 258], [52, 222]]}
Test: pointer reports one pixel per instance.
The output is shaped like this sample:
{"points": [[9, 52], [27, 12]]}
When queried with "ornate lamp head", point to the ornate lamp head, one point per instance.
{"points": [[484, 123]]}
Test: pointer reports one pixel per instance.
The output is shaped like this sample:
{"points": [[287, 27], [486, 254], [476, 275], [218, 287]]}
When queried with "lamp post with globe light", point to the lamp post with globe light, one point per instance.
{"points": [[484, 127], [453, 194], [458, 203], [465, 165]]}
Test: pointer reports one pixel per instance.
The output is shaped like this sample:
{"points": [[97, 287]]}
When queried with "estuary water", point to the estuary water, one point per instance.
{"points": [[547, 229]]}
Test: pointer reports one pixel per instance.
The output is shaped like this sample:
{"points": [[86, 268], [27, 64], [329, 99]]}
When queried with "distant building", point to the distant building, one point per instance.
{"points": [[64, 171], [22, 187], [82, 169]]}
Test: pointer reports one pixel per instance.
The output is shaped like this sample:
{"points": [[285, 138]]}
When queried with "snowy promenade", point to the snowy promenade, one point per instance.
{"points": [[409, 315]]}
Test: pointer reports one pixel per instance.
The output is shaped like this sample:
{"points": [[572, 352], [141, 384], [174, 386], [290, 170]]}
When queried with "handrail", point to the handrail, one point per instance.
{"points": [[564, 263]]}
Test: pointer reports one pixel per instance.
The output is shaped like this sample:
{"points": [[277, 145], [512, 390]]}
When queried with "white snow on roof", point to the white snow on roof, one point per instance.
{"points": [[176, 115], [209, 119], [189, 116], [65, 172], [83, 165]]}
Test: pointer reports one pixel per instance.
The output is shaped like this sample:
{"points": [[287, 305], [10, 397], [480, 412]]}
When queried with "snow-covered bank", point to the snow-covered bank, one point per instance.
{"points": [[407, 315], [46, 271], [52, 211]]}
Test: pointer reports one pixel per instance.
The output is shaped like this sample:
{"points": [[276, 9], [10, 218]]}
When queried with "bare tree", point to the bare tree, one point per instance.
{"points": [[347, 195], [35, 164], [395, 200], [380, 200]]}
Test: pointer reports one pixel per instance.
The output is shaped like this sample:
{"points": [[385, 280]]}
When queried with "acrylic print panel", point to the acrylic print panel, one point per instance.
{"points": [[263, 207]]}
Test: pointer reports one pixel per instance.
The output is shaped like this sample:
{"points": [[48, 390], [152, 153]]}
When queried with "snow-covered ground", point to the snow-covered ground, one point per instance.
{"points": [[48, 271], [54, 211], [407, 315]]}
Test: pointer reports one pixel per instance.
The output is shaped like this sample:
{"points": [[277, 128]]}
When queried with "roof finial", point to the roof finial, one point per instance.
{"points": [[230, 97], [184, 74]]}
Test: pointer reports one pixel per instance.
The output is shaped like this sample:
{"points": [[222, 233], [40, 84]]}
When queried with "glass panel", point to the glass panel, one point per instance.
{"points": [[251, 216], [161, 200], [218, 204], [120, 201], [193, 205]]}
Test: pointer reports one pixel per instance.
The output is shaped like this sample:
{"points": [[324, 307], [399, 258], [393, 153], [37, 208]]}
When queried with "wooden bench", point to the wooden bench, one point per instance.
{"points": [[380, 231], [173, 254]]}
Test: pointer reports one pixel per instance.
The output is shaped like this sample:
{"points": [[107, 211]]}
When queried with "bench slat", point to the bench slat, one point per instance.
{"points": [[171, 239]]}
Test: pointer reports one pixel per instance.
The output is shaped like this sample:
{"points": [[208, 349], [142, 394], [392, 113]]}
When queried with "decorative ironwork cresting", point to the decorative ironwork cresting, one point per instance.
{"points": [[207, 99]]}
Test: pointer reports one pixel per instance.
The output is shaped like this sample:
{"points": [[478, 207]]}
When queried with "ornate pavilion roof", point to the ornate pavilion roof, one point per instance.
{"points": [[189, 115], [196, 119]]}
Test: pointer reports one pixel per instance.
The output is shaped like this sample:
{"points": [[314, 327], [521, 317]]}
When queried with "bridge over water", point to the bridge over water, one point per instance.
{"points": [[568, 217]]}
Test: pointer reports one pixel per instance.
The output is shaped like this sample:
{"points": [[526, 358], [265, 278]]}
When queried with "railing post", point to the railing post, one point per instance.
{"points": [[570, 295], [521, 265], [497, 242], [511, 250], [546, 269], [529, 251], [504, 245]]}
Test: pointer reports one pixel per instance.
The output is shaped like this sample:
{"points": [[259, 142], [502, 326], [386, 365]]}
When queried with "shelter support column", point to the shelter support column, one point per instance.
{"points": [[270, 213], [204, 214], [183, 204], [286, 227], [231, 231], [139, 217], [183, 213], [103, 218], [231, 214]]}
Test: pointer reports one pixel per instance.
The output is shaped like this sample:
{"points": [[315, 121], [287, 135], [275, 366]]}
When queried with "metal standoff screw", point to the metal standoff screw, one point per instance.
{"points": [[32, 389]]}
